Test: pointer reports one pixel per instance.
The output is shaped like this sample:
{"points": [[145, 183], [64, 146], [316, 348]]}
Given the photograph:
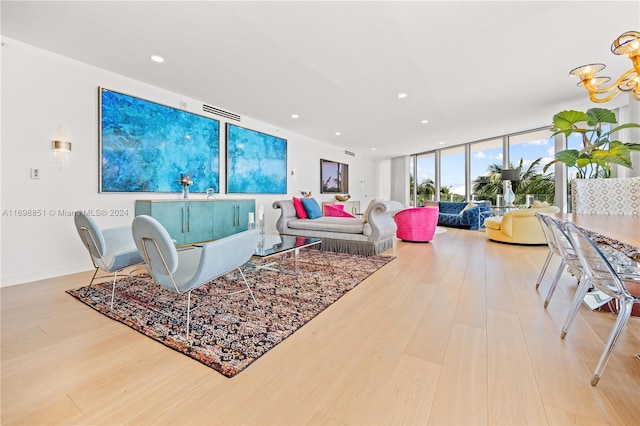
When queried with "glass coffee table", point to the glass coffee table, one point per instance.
{"points": [[279, 245]]}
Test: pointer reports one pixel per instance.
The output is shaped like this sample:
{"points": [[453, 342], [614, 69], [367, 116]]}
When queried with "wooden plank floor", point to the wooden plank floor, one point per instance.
{"points": [[451, 332]]}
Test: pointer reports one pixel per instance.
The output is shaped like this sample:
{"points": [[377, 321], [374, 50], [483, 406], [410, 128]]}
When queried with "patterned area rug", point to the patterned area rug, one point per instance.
{"points": [[228, 332]]}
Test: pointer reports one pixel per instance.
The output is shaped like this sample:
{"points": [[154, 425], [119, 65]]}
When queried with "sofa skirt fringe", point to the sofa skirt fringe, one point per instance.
{"points": [[365, 248]]}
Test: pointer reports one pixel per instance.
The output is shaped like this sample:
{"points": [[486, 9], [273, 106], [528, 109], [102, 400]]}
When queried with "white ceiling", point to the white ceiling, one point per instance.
{"points": [[474, 69]]}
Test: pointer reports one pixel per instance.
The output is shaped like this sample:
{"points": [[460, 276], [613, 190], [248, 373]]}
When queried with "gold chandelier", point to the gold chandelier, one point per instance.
{"points": [[627, 44]]}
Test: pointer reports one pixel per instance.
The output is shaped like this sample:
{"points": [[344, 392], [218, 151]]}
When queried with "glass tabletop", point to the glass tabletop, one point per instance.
{"points": [[273, 244], [507, 208]]}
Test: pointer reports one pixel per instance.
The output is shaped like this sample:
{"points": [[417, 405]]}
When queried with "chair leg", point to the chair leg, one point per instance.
{"points": [[544, 268], [155, 290], [188, 312], [113, 288], [248, 288], [93, 277], [581, 291], [554, 284], [614, 336]]}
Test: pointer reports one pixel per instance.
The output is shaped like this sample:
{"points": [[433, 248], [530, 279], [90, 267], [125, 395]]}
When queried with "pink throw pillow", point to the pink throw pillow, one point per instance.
{"points": [[336, 211], [300, 211]]}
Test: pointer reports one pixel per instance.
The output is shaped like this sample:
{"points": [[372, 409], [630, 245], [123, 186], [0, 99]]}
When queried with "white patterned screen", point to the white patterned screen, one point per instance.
{"points": [[617, 196]]}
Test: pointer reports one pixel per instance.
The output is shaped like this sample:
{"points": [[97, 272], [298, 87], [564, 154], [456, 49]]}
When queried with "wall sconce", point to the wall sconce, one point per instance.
{"points": [[627, 44], [61, 152]]}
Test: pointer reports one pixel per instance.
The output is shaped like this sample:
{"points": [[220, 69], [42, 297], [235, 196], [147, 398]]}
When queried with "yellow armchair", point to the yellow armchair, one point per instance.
{"points": [[518, 226]]}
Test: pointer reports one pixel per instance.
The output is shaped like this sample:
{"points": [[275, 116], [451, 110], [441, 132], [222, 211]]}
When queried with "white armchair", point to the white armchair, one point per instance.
{"points": [[185, 270], [111, 249]]}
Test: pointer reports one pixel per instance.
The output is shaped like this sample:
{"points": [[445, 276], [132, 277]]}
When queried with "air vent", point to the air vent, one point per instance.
{"points": [[220, 112], [353, 154]]}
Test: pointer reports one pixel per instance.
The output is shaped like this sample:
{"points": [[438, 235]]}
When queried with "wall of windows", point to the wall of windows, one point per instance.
{"points": [[452, 174], [473, 171], [485, 157], [425, 189], [530, 152]]}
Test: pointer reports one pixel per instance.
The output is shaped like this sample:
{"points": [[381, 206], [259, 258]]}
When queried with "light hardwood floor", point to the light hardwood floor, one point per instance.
{"points": [[450, 332]]}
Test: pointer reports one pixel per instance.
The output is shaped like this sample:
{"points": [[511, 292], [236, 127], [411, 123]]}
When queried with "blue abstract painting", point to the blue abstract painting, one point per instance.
{"points": [[256, 162], [146, 146]]}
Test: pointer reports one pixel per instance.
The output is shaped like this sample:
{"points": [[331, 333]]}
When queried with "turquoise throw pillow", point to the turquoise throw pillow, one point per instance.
{"points": [[312, 208]]}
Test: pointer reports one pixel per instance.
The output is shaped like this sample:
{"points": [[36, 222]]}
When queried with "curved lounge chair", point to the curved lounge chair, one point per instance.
{"points": [[185, 270], [417, 224], [111, 249]]}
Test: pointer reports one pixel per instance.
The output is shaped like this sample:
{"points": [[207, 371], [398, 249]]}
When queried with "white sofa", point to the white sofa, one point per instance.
{"points": [[367, 236]]}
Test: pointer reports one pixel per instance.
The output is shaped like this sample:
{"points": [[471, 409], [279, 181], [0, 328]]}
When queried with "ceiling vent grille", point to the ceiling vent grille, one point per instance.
{"points": [[353, 154], [220, 112]]}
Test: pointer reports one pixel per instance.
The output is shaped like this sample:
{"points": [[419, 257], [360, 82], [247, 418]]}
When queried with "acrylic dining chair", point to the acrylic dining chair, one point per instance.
{"points": [[602, 275], [559, 245]]}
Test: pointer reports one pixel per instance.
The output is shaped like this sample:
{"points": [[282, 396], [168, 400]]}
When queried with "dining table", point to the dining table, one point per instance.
{"points": [[621, 232]]}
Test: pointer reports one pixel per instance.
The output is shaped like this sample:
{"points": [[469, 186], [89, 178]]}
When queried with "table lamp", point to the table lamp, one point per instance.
{"points": [[509, 175]]}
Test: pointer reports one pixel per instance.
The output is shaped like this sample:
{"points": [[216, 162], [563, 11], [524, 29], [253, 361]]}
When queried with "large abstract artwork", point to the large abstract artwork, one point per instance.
{"points": [[334, 177], [146, 146], [256, 162]]}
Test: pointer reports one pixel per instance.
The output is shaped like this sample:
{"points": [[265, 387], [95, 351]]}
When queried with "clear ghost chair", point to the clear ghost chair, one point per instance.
{"points": [[560, 245], [551, 242], [603, 276]]}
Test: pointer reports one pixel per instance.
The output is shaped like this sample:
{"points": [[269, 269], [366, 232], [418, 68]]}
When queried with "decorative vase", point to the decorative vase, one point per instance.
{"points": [[185, 192]]}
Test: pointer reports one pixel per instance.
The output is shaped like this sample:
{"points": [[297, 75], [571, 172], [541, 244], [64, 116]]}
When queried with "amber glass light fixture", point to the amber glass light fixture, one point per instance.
{"points": [[598, 87]]}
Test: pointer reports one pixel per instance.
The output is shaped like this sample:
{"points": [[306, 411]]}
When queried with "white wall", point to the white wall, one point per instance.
{"points": [[384, 180], [42, 91]]}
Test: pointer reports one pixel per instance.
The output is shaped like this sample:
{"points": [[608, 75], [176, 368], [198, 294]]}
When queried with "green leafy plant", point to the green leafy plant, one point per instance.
{"points": [[594, 160]]}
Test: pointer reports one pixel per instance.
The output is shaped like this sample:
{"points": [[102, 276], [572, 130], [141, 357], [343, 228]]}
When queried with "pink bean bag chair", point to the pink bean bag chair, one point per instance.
{"points": [[417, 224]]}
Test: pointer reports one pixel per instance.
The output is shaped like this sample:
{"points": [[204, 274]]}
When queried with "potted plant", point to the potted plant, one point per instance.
{"points": [[598, 151]]}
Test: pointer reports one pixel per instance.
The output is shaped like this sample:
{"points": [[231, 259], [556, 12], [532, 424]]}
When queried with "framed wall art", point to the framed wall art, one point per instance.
{"points": [[334, 177], [145, 146], [256, 162]]}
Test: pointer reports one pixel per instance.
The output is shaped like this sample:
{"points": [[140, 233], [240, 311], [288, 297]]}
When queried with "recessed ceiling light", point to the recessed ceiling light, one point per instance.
{"points": [[424, 121], [338, 133], [402, 95], [157, 58], [441, 143], [295, 116], [373, 149]]}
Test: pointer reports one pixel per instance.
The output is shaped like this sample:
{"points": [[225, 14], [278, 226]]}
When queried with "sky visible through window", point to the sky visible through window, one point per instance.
{"points": [[453, 173]]}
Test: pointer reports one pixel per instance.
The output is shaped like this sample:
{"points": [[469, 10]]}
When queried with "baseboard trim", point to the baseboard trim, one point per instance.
{"points": [[42, 275]]}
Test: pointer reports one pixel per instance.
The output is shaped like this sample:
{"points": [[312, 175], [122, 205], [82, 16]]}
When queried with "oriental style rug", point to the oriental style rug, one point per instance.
{"points": [[229, 332]]}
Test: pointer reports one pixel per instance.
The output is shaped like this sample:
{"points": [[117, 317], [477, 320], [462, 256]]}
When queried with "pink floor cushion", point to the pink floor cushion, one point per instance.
{"points": [[336, 210], [417, 224]]}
